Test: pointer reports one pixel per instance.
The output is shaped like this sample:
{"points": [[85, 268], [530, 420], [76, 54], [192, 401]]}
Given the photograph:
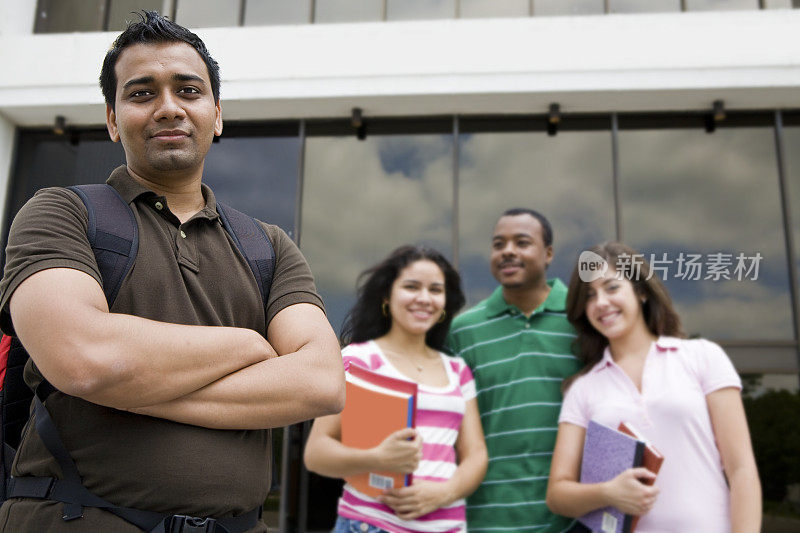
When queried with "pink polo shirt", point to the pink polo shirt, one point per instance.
{"points": [[671, 412]]}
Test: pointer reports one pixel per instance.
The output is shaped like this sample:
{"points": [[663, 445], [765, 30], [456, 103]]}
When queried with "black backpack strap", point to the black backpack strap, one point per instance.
{"points": [[112, 232], [52, 441], [70, 491], [254, 245]]}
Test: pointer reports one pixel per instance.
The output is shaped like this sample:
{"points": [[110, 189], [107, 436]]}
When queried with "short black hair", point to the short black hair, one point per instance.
{"points": [[366, 321], [153, 28], [547, 229]]}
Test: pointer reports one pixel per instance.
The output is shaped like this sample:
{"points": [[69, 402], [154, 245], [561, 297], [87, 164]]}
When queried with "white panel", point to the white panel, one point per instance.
{"points": [[586, 63], [17, 16], [207, 13], [7, 134]]}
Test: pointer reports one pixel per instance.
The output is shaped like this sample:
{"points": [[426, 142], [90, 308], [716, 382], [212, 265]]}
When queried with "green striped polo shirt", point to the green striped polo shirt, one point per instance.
{"points": [[518, 363]]}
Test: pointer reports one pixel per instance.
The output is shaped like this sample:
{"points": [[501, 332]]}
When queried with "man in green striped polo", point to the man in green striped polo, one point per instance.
{"points": [[518, 344]]}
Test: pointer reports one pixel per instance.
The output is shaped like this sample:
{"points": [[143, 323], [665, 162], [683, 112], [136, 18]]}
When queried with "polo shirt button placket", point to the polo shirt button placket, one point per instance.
{"points": [[643, 409]]}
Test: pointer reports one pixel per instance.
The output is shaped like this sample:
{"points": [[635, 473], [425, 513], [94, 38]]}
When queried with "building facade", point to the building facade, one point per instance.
{"points": [[357, 126]]}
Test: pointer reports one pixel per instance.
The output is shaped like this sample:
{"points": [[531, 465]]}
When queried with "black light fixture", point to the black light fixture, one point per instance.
{"points": [[60, 125], [715, 116], [719, 110], [356, 117], [357, 121], [553, 119]]}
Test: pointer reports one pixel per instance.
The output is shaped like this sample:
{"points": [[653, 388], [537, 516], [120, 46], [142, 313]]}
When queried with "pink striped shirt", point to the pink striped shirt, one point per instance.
{"points": [[439, 414]]}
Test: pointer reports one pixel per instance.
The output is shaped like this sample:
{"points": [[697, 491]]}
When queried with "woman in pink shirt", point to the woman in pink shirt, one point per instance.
{"points": [[397, 328], [682, 395]]}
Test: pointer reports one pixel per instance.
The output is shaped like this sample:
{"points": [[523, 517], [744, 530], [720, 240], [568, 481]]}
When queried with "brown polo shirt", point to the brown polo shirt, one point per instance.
{"points": [[190, 273]]}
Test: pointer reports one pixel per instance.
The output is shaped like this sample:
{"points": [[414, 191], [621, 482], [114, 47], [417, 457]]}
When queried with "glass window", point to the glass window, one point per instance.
{"points": [[568, 178], [347, 11], [494, 8], [362, 199], [791, 155], [756, 384], [266, 12], [780, 4], [708, 206], [568, 7], [47, 160], [207, 13], [420, 9], [720, 5], [95, 160], [771, 403], [643, 6], [54, 16], [121, 11], [256, 175], [772, 357]]}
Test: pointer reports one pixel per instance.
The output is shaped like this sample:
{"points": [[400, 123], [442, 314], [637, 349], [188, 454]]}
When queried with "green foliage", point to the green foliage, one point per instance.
{"points": [[774, 420], [751, 383]]}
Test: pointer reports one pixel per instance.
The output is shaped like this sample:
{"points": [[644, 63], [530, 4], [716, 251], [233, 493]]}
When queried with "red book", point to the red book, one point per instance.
{"points": [[376, 406], [651, 459]]}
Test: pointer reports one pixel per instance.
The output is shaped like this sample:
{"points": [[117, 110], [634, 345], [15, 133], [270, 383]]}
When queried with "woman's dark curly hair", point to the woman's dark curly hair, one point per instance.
{"points": [[366, 321]]}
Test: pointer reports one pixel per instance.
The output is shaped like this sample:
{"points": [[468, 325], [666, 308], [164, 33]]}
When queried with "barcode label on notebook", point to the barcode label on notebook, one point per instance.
{"points": [[609, 523], [380, 482]]}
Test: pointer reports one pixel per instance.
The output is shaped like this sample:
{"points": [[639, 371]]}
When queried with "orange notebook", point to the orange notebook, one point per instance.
{"points": [[651, 459], [376, 406]]}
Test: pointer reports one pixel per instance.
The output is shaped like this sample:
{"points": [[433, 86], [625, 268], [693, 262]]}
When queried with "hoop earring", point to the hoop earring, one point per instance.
{"points": [[441, 318], [385, 308]]}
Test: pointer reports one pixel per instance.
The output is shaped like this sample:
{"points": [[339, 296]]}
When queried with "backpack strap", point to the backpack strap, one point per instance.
{"points": [[112, 232], [253, 243], [70, 491], [255, 246]]}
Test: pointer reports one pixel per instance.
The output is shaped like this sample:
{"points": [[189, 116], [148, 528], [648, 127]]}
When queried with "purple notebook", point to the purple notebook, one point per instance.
{"points": [[606, 453]]}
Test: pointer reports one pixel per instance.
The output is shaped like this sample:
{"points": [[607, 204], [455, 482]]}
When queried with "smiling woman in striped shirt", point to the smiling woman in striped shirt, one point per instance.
{"points": [[397, 328]]}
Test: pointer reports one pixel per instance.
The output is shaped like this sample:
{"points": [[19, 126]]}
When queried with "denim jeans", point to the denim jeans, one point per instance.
{"points": [[346, 525]]}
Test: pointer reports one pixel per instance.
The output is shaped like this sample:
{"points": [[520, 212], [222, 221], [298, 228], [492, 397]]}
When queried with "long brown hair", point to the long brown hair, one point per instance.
{"points": [[659, 314]]}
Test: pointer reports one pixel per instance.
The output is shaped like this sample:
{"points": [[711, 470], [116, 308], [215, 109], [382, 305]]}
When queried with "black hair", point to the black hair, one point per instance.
{"points": [[547, 229], [153, 28], [366, 321]]}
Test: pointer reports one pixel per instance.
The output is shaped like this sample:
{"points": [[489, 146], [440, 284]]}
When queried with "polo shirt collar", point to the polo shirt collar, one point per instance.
{"points": [[130, 189], [667, 344], [662, 345], [605, 362], [556, 300]]}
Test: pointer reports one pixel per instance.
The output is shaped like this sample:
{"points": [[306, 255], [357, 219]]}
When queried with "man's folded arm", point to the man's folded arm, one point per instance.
{"points": [[122, 361], [306, 380]]}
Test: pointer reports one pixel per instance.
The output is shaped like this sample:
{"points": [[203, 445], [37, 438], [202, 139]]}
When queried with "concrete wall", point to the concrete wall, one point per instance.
{"points": [[17, 17], [751, 59], [7, 138]]}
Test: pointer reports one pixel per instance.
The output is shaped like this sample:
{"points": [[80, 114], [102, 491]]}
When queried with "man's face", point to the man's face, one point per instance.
{"points": [[519, 256], [165, 114]]}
